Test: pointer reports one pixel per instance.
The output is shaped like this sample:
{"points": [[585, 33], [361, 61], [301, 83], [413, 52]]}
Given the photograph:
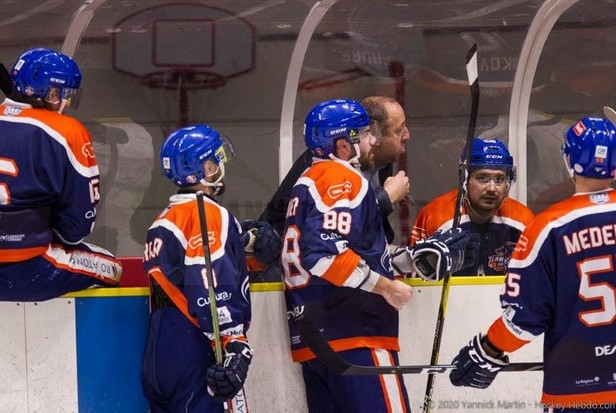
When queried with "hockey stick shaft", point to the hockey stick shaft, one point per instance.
{"points": [[311, 335], [610, 114], [473, 81], [205, 240]]}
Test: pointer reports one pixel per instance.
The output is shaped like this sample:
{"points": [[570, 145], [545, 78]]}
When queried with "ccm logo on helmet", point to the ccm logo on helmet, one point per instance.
{"points": [[494, 156], [607, 350], [336, 131], [56, 80]]}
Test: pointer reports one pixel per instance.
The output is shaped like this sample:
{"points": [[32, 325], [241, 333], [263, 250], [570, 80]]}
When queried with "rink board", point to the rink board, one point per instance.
{"points": [[83, 353]]}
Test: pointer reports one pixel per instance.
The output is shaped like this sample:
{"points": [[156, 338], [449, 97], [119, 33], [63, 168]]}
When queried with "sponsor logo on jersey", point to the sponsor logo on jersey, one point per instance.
{"points": [[12, 111], [587, 382], [336, 191], [222, 296], [12, 238], [599, 199], [330, 236], [296, 312], [606, 350]]}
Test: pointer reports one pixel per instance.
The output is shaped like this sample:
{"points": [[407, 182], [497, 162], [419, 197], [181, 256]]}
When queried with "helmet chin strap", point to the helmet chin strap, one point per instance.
{"points": [[354, 161], [218, 185]]}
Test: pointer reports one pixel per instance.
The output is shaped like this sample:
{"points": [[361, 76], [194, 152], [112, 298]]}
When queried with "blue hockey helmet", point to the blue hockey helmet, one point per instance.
{"points": [[589, 148], [331, 120], [39, 71], [184, 152], [491, 154]]}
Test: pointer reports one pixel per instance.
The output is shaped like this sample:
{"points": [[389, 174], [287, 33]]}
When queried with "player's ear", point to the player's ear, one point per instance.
{"points": [[342, 148]]}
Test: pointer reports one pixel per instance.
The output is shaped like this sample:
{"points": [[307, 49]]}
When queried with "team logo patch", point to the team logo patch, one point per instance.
{"points": [[87, 150], [500, 261], [336, 191], [11, 111], [598, 199], [196, 241]]}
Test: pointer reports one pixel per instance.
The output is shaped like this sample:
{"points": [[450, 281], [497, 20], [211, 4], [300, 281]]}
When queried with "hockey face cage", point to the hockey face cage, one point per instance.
{"points": [[589, 148]]}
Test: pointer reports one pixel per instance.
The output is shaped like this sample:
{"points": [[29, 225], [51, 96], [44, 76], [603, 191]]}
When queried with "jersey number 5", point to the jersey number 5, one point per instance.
{"points": [[602, 291]]}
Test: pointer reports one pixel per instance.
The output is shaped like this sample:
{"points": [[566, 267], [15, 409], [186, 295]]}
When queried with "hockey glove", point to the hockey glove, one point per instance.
{"points": [[444, 253], [226, 380], [474, 368], [261, 240], [401, 261]]}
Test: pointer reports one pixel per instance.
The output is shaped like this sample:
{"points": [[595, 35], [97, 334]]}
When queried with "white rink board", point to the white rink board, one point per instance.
{"points": [[275, 382], [37, 359], [39, 374]]}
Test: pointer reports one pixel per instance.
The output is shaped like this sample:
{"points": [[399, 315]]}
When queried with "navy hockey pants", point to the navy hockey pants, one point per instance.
{"points": [[327, 392]]}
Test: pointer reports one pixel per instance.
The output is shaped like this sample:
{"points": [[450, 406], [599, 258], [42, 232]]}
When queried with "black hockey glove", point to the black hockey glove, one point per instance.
{"points": [[261, 240], [474, 368], [226, 380], [444, 253]]}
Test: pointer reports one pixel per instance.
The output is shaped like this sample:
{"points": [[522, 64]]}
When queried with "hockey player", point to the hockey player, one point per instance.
{"points": [[487, 209], [337, 268], [49, 184], [179, 368], [389, 123], [561, 284]]}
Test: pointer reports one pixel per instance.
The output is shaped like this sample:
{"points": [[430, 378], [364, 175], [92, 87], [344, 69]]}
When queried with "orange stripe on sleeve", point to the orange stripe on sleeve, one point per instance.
{"points": [[341, 268], [500, 336]]}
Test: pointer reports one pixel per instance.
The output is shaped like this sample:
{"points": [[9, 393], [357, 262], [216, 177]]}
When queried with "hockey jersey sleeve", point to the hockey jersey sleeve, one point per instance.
{"points": [[437, 214], [529, 294], [72, 170], [337, 226], [75, 211]]}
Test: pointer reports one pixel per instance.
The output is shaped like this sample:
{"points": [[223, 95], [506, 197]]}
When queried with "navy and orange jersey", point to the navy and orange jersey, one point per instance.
{"points": [[49, 180], [498, 237], [332, 222], [562, 283], [174, 258]]}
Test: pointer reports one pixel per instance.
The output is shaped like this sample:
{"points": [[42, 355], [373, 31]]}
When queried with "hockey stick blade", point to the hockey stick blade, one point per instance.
{"points": [[311, 335], [610, 114]]}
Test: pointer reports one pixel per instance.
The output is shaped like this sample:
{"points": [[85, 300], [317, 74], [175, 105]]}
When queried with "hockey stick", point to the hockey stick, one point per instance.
{"points": [[205, 240], [610, 114], [311, 335], [473, 81]]}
